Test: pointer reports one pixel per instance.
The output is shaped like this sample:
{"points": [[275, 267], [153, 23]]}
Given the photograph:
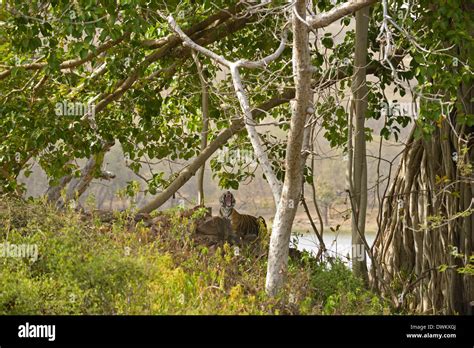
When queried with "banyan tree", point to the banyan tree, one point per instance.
{"points": [[428, 225], [426, 236]]}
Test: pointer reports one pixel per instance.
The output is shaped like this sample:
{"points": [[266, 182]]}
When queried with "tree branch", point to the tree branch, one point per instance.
{"points": [[259, 150], [69, 64], [324, 19], [236, 126]]}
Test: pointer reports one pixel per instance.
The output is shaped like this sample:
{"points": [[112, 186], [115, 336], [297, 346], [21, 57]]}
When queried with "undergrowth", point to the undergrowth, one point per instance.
{"points": [[85, 266]]}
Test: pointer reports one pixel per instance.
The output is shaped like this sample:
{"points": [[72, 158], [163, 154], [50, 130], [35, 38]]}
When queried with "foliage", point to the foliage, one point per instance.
{"points": [[158, 117], [86, 266], [326, 192], [467, 263], [338, 291]]}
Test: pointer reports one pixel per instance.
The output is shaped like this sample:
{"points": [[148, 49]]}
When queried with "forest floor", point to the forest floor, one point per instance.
{"points": [[70, 263]]}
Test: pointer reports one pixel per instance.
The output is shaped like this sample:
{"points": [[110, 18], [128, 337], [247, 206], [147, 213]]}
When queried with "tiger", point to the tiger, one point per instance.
{"points": [[243, 225]]}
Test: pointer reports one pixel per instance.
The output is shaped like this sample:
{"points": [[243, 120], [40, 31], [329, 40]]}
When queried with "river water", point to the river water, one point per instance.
{"points": [[338, 244]]}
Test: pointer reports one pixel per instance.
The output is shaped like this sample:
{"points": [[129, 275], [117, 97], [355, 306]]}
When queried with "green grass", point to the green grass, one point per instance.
{"points": [[85, 266]]}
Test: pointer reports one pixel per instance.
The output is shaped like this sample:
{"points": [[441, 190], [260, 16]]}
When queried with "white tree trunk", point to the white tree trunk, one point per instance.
{"points": [[286, 209]]}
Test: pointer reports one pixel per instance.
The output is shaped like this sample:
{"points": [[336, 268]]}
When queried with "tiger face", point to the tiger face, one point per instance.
{"points": [[227, 202]]}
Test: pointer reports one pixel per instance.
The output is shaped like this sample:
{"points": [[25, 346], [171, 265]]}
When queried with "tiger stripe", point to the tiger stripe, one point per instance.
{"points": [[243, 225]]}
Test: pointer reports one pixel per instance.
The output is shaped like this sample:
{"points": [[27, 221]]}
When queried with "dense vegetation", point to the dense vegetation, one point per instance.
{"points": [[86, 266], [173, 83]]}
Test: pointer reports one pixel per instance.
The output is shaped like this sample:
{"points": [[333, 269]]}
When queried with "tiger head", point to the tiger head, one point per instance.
{"points": [[227, 202]]}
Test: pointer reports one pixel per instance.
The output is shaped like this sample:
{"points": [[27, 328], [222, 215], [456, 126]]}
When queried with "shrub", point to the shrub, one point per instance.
{"points": [[338, 291], [89, 267]]}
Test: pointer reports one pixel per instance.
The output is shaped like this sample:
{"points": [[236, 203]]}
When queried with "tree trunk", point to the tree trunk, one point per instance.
{"points": [[286, 209], [428, 213], [77, 186], [318, 21], [359, 162], [54, 192], [412, 245], [326, 214], [205, 126]]}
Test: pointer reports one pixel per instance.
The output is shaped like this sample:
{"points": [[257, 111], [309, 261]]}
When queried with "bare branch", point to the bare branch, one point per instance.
{"points": [[262, 63], [324, 19], [236, 126], [188, 42], [259, 150]]}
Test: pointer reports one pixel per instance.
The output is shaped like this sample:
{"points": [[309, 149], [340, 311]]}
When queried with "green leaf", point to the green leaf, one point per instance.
{"points": [[327, 42]]}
